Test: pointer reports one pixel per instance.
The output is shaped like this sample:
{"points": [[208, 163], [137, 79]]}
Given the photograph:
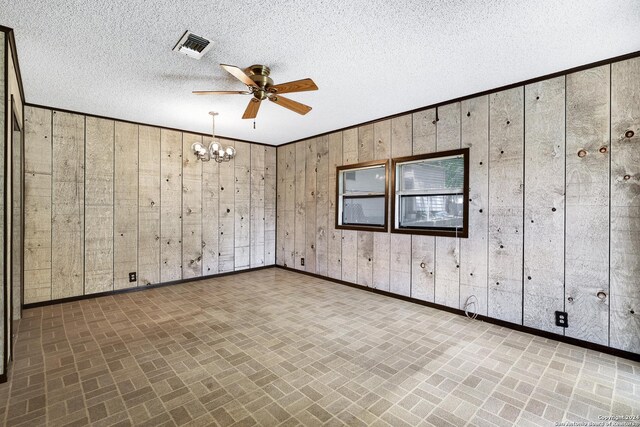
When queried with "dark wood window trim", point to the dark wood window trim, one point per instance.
{"points": [[361, 165], [464, 232]]}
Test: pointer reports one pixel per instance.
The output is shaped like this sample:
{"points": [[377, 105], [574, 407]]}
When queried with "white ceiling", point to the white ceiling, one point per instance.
{"points": [[370, 58]]}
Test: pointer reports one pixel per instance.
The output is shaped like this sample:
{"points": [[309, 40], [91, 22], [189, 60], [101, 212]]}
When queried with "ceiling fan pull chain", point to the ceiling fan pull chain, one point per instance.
{"points": [[254, 124]]}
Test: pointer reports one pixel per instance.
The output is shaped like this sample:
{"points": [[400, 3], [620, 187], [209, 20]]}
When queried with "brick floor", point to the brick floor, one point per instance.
{"points": [[274, 347]]}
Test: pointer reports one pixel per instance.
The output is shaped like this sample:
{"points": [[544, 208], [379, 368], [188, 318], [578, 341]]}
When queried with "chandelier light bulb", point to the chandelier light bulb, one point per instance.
{"points": [[200, 152]]}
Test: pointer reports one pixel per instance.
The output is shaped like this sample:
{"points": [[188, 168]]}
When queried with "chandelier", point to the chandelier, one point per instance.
{"points": [[215, 151]]}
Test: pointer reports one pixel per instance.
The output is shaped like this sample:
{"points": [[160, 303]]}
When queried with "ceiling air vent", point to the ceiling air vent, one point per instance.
{"points": [[192, 45]]}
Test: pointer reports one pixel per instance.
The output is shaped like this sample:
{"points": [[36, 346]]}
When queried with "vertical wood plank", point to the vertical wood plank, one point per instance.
{"points": [[402, 136], [300, 207], [226, 219], [149, 206], [324, 193], [381, 260], [447, 256], [400, 270], [365, 238], [366, 146], [587, 204], [382, 140], [506, 126], [67, 221], [544, 204], [281, 193], [290, 206], [423, 247], [242, 204], [625, 205], [311, 159], [170, 205], [381, 249], [350, 256], [350, 146], [350, 237], [256, 235], [191, 208], [400, 244], [98, 239], [125, 222], [473, 250], [365, 258], [210, 213], [37, 205], [423, 267], [269, 205], [334, 242], [424, 131]]}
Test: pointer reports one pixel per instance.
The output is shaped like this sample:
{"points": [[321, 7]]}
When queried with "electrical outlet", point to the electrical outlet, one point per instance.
{"points": [[562, 319], [302, 261], [132, 277]]}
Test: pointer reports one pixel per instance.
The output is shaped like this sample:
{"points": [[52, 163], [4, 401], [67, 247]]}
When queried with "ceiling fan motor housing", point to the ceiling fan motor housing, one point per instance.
{"points": [[258, 70], [260, 75]]}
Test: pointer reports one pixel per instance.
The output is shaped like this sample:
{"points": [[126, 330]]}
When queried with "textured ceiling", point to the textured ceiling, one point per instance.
{"points": [[370, 58]]}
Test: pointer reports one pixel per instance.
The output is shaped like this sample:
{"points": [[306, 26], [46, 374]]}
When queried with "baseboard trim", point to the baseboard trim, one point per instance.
{"points": [[520, 328], [140, 288]]}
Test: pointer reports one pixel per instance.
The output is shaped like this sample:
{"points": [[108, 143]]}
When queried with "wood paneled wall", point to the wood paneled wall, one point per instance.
{"points": [[106, 198], [554, 206], [11, 102], [3, 211]]}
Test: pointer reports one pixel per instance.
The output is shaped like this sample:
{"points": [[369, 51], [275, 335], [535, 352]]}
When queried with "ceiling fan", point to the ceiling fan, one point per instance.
{"points": [[261, 87]]}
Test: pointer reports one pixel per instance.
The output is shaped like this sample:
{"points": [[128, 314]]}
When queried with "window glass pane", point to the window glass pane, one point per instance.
{"points": [[431, 211], [370, 180], [363, 210], [437, 174]]}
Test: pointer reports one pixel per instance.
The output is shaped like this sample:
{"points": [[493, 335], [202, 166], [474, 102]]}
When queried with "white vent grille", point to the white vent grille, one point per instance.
{"points": [[193, 45]]}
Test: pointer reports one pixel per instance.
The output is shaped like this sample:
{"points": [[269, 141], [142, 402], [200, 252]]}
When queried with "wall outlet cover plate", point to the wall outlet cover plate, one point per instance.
{"points": [[562, 319]]}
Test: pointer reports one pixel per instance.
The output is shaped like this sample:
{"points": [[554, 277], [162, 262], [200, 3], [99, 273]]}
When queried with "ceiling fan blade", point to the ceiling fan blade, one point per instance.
{"points": [[239, 74], [290, 104], [221, 92], [252, 109], [295, 86]]}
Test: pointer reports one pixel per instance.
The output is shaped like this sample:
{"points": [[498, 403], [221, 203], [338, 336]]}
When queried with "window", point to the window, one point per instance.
{"points": [[362, 196], [431, 194]]}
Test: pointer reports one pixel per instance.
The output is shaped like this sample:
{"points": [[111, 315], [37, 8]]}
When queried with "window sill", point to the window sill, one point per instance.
{"points": [[379, 228], [463, 234]]}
